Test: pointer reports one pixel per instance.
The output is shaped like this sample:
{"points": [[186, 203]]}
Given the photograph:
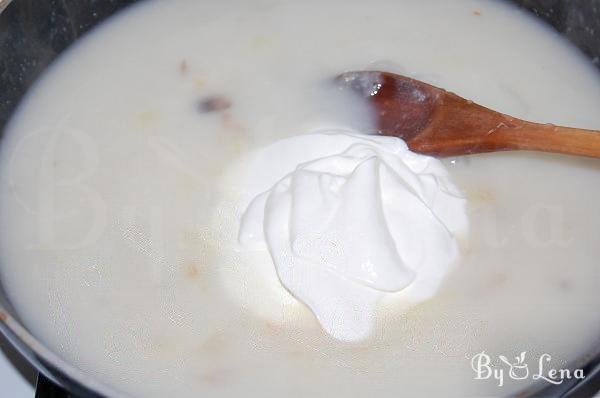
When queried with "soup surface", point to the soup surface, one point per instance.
{"points": [[118, 237]]}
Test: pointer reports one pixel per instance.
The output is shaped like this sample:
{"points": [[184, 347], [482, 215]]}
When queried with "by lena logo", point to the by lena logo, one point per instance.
{"points": [[519, 369]]}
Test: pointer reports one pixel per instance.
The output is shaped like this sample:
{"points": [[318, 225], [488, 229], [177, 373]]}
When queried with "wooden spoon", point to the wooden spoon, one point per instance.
{"points": [[436, 122]]}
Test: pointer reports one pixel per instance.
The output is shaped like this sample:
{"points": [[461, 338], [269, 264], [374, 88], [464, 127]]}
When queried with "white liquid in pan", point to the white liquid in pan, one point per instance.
{"points": [[117, 241]]}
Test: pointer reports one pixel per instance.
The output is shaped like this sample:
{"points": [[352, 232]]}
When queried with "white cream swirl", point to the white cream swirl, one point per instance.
{"points": [[349, 219]]}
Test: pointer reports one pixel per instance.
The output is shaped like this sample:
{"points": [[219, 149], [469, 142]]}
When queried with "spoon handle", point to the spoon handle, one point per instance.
{"points": [[550, 138]]}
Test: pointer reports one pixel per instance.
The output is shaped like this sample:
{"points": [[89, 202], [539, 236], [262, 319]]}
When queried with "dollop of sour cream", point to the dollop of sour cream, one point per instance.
{"points": [[349, 219]]}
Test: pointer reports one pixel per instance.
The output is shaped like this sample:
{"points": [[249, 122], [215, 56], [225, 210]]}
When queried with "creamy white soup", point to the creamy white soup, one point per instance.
{"points": [[120, 193]]}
